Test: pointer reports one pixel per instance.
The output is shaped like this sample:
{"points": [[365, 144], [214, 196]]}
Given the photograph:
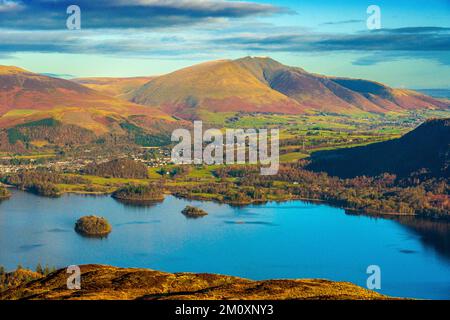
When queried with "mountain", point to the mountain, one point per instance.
{"points": [[115, 87], [111, 283], [267, 86], [218, 86], [66, 110], [427, 147]]}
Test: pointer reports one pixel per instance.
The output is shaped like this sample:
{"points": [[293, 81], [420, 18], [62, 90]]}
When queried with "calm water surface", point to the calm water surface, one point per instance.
{"points": [[276, 240]]}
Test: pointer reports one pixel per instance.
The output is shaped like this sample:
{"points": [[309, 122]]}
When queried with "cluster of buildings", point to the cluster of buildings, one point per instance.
{"points": [[11, 164]]}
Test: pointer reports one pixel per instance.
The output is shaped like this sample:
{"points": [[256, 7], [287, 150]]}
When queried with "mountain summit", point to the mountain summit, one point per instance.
{"points": [[217, 86]]}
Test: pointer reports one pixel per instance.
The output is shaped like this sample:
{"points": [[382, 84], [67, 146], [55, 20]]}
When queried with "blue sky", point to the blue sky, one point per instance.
{"points": [[148, 37]]}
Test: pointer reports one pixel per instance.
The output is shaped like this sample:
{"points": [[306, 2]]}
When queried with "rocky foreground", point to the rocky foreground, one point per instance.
{"points": [[111, 283]]}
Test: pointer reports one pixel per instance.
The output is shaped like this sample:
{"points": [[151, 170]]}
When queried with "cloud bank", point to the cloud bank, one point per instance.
{"points": [[189, 28], [121, 14]]}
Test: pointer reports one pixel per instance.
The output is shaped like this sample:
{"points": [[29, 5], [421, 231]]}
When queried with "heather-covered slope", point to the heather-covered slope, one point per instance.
{"points": [[111, 283], [267, 86], [427, 147]]}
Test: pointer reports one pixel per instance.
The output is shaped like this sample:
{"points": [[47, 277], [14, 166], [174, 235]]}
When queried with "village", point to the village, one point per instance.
{"points": [[153, 158]]}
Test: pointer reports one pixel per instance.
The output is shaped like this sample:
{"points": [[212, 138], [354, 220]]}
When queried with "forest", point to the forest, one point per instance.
{"points": [[132, 192], [415, 194], [118, 168], [386, 193], [41, 182]]}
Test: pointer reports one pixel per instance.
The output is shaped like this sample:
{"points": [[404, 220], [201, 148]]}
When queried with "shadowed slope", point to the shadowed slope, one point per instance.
{"points": [[391, 99], [427, 147]]}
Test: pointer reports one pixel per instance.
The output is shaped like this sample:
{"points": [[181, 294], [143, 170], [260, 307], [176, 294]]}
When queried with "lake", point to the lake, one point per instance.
{"points": [[292, 239]]}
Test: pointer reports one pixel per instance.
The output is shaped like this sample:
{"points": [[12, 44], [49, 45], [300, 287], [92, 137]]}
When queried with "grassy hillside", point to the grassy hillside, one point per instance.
{"points": [[27, 97], [110, 283], [218, 86]]}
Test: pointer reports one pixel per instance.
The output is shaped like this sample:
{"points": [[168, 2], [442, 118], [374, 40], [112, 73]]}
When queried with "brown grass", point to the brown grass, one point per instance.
{"points": [[111, 283]]}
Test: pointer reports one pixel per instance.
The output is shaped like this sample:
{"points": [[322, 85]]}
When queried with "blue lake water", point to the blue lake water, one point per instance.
{"points": [[275, 240]]}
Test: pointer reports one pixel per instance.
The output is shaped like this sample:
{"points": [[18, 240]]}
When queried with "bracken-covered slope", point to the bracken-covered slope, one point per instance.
{"points": [[64, 111], [427, 147], [265, 85], [111, 283]]}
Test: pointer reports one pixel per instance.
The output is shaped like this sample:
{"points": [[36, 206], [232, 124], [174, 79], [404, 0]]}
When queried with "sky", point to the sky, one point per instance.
{"points": [[122, 38]]}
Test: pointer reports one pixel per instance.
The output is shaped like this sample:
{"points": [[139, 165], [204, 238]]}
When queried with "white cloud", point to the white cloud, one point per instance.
{"points": [[8, 6]]}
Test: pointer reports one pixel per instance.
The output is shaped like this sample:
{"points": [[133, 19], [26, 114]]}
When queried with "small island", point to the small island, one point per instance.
{"points": [[4, 193], [194, 212], [139, 193], [92, 226]]}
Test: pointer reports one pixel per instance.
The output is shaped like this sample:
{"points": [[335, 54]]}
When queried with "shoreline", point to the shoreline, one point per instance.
{"points": [[347, 210]]}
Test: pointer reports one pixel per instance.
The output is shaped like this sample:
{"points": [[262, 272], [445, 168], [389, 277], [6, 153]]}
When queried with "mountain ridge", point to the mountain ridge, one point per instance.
{"points": [[264, 85], [221, 88]]}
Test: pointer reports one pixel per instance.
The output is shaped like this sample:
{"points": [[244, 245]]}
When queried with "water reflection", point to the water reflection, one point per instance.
{"points": [[138, 203], [433, 234]]}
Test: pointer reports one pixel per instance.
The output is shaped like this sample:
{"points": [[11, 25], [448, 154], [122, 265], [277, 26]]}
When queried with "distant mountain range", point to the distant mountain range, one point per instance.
{"points": [[116, 87], [436, 93], [427, 149], [146, 105]]}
